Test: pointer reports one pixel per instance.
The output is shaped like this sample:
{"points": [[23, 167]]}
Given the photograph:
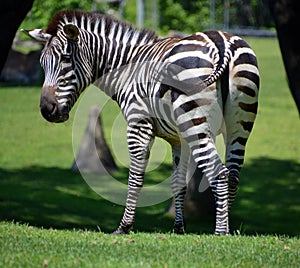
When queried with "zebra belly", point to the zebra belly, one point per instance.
{"points": [[165, 126]]}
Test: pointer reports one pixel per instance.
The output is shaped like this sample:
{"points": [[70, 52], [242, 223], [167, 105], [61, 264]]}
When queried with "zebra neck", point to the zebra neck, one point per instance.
{"points": [[116, 55]]}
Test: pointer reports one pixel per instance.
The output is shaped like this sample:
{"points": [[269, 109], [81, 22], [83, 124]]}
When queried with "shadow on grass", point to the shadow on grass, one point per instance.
{"points": [[267, 201], [59, 198]]}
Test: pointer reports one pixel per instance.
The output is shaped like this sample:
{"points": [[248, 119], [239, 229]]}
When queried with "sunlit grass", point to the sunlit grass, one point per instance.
{"points": [[31, 247]]}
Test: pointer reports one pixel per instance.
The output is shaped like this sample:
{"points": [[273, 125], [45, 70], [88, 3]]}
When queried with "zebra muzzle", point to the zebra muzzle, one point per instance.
{"points": [[50, 109]]}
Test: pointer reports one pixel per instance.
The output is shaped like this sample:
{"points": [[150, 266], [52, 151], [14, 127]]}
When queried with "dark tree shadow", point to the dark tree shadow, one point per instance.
{"points": [[60, 198], [267, 203], [50, 197], [268, 200]]}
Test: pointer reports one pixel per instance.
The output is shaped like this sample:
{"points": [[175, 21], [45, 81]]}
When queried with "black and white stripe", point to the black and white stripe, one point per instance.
{"points": [[183, 90]]}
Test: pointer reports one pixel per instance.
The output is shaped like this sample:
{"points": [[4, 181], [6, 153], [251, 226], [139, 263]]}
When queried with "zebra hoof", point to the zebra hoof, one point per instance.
{"points": [[179, 229], [122, 230], [221, 233]]}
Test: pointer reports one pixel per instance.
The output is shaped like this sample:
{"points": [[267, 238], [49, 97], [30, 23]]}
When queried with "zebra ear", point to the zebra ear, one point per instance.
{"points": [[37, 34], [71, 31]]}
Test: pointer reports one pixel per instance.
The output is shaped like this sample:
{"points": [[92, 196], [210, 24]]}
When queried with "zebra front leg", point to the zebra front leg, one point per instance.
{"points": [[180, 163], [135, 183], [140, 139]]}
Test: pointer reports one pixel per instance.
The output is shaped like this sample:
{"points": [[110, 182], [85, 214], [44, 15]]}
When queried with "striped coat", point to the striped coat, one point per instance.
{"points": [[184, 90]]}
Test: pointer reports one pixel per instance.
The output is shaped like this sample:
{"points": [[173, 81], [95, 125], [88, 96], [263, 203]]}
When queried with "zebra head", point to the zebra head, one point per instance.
{"points": [[67, 65]]}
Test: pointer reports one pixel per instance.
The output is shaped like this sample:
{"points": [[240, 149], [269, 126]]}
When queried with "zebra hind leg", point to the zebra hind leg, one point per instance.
{"points": [[233, 182], [179, 223], [180, 164], [209, 162], [240, 111]]}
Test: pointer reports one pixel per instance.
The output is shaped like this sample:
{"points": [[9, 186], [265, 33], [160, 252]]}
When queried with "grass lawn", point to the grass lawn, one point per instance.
{"points": [[23, 246], [71, 222]]}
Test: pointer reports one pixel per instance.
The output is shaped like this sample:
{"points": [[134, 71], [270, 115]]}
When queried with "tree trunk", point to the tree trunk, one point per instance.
{"points": [[286, 14], [94, 155], [12, 13]]}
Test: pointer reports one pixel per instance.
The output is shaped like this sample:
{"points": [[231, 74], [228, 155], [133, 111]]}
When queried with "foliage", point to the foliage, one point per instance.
{"points": [[181, 15], [253, 13], [175, 17], [42, 11]]}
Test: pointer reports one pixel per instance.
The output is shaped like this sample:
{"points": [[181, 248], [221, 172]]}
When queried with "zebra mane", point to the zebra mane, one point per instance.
{"points": [[82, 19]]}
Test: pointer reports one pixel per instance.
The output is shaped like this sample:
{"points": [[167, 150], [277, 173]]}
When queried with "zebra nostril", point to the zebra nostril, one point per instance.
{"points": [[48, 109], [48, 105]]}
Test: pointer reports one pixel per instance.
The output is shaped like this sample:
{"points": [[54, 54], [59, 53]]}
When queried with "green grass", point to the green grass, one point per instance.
{"points": [[23, 246], [38, 188]]}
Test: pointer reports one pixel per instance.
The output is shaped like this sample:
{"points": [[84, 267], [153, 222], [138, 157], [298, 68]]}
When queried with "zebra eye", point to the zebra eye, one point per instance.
{"points": [[65, 58], [63, 83]]}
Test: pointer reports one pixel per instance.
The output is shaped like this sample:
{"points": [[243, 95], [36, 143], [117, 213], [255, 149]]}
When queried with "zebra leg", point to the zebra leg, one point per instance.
{"points": [[239, 112], [235, 152], [193, 120], [208, 160], [239, 124], [236, 139], [140, 139], [180, 164]]}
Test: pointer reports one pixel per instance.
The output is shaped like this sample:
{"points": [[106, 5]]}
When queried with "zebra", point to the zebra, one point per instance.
{"points": [[187, 91]]}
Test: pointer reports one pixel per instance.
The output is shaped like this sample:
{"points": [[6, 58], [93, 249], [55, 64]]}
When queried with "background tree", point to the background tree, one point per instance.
{"points": [[286, 14], [12, 13], [186, 16], [181, 15], [38, 18]]}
